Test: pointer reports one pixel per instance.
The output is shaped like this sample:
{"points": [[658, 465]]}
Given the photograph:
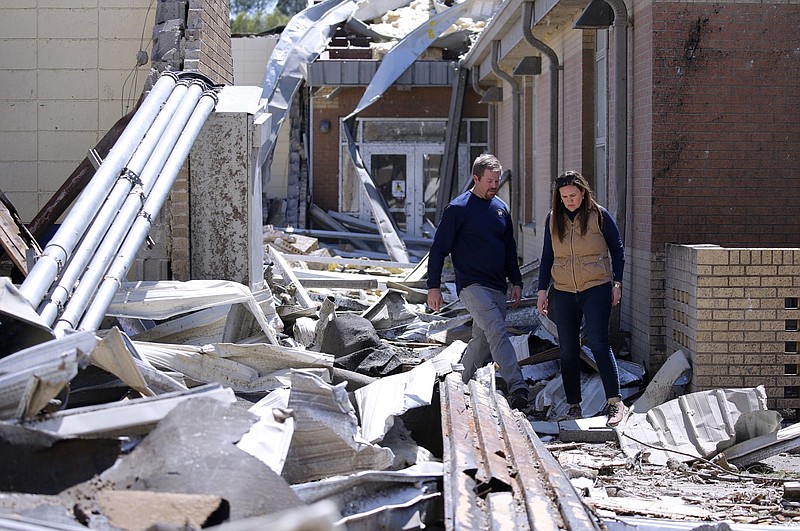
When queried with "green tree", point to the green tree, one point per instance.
{"points": [[291, 7], [251, 6], [256, 22]]}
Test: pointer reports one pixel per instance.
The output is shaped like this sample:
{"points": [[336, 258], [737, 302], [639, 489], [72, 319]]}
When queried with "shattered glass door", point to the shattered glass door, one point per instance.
{"points": [[403, 158], [390, 174]]}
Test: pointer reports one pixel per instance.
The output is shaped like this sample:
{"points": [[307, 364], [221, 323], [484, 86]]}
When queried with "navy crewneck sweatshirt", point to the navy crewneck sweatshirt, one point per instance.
{"points": [[479, 236]]}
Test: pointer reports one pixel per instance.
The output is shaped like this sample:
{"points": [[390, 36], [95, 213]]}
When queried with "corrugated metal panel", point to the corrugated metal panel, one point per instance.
{"points": [[359, 72], [498, 474]]}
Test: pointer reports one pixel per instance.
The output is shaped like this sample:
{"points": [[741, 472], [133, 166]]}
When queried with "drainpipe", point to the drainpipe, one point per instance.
{"points": [[515, 112], [141, 227], [61, 246], [527, 32], [476, 85], [620, 26]]}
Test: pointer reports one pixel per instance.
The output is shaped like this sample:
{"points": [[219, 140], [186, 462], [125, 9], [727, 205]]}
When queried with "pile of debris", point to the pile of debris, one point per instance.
{"points": [[316, 401]]}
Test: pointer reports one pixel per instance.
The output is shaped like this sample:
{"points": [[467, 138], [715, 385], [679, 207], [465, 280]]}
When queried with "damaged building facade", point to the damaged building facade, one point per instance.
{"points": [[680, 129], [352, 377], [684, 118]]}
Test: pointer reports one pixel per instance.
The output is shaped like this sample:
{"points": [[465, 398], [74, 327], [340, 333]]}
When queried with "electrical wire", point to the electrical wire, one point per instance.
{"points": [[126, 103]]}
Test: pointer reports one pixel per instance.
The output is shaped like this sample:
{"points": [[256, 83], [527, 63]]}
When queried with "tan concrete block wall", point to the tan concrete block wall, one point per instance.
{"points": [[68, 72], [734, 312]]}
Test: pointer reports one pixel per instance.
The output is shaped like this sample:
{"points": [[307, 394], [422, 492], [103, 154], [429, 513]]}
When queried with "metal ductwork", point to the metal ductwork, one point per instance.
{"points": [[99, 239]]}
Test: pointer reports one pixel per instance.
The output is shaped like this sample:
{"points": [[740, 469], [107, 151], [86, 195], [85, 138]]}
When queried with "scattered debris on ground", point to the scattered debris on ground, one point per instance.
{"points": [[319, 399]]}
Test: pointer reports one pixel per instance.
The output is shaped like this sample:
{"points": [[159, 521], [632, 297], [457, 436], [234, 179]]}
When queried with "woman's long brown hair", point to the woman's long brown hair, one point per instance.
{"points": [[587, 206]]}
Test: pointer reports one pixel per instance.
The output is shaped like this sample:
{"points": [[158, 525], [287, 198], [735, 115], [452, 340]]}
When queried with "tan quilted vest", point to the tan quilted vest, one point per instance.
{"points": [[580, 262]]}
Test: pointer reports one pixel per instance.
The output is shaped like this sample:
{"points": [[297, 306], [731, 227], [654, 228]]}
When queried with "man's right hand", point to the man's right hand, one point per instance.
{"points": [[435, 299]]}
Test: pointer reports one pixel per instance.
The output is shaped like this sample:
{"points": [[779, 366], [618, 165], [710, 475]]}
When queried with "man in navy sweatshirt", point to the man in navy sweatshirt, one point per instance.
{"points": [[477, 232]]}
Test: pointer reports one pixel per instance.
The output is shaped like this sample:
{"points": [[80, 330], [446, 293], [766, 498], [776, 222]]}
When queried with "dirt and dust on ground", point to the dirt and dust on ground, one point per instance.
{"points": [[700, 491]]}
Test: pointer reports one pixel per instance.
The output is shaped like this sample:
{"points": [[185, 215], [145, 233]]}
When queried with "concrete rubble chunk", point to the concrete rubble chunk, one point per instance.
{"points": [[38, 462], [137, 510], [193, 451]]}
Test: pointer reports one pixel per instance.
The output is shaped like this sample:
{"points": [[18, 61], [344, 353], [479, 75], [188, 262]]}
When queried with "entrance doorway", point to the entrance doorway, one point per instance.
{"points": [[407, 176]]}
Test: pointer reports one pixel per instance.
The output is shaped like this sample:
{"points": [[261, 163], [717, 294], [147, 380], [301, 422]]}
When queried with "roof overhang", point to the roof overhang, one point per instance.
{"points": [[359, 73], [549, 16]]}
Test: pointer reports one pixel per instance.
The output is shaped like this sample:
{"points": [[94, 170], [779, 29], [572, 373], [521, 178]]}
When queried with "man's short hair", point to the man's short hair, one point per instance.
{"points": [[486, 161]]}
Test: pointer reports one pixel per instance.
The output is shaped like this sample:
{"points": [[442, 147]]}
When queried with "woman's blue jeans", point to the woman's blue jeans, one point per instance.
{"points": [[593, 306]]}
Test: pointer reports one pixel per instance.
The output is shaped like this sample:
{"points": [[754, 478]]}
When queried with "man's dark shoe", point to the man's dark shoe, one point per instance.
{"points": [[520, 400]]}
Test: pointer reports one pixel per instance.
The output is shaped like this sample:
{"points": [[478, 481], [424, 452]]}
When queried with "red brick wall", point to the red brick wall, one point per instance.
{"points": [[431, 102], [208, 40], [726, 126], [642, 309]]}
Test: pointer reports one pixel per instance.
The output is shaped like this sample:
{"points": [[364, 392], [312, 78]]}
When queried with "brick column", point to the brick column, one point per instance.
{"points": [[734, 312]]}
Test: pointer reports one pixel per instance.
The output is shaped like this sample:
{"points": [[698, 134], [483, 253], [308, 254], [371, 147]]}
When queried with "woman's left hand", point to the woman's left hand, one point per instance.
{"points": [[616, 293]]}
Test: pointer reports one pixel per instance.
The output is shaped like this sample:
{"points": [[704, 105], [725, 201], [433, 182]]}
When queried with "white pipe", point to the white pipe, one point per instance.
{"points": [[141, 227], [60, 247], [88, 246], [113, 239]]}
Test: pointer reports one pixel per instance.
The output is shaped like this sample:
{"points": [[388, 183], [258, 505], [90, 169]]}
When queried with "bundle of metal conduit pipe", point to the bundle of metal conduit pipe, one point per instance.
{"points": [[80, 269]]}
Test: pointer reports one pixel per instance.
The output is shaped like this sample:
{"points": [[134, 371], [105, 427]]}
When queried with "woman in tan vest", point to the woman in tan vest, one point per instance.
{"points": [[584, 257]]}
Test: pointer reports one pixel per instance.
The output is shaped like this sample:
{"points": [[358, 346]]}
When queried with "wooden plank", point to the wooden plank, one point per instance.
{"points": [[649, 507], [14, 236]]}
